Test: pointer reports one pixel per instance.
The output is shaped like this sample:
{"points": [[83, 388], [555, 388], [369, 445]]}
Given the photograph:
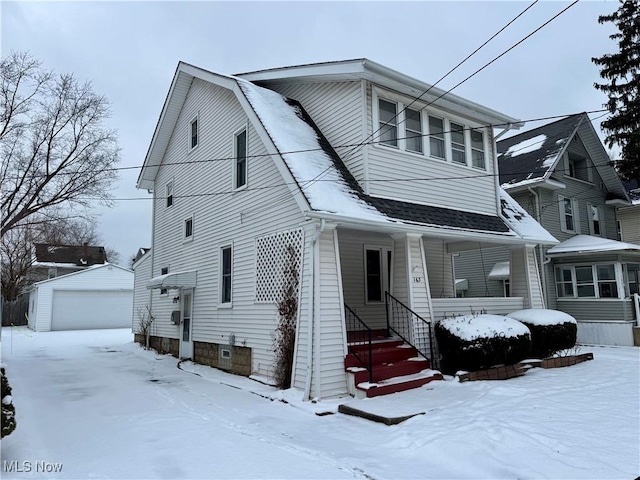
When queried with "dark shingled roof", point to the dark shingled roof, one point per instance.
{"points": [[402, 210], [531, 165], [81, 255]]}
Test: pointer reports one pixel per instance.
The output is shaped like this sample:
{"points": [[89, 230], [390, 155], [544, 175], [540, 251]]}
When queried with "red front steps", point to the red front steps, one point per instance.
{"points": [[396, 367]]}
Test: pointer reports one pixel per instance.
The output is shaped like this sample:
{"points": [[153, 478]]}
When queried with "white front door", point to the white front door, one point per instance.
{"points": [[186, 345]]}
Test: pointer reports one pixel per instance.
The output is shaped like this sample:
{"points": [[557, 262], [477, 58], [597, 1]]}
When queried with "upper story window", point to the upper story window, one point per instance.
{"points": [[569, 221], [407, 129], [413, 129], [188, 228], [595, 219], [169, 193], [240, 161], [388, 118], [436, 137], [578, 167], [458, 148], [193, 133]]}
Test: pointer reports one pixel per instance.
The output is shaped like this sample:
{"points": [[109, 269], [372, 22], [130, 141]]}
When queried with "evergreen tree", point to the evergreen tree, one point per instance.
{"points": [[621, 70]]}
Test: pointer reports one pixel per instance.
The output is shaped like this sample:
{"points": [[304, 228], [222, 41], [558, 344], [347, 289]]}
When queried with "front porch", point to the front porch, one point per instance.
{"points": [[398, 283]]}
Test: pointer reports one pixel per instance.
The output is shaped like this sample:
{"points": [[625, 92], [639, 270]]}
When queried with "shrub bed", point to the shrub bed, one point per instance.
{"points": [[479, 342], [8, 410], [551, 331]]}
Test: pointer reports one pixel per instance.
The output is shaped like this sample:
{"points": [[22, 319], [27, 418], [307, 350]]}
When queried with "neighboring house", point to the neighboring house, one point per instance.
{"points": [[142, 273], [55, 260], [561, 174], [267, 182], [100, 296], [629, 215]]}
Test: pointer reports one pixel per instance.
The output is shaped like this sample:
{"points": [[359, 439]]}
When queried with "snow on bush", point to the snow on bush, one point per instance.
{"points": [[551, 331], [8, 410], [475, 342]]}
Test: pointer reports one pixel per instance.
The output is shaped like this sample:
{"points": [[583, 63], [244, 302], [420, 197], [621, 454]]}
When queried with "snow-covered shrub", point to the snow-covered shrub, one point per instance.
{"points": [[8, 410], [551, 331], [478, 342]]}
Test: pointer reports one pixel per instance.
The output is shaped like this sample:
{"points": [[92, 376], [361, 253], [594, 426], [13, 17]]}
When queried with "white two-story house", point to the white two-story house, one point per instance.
{"points": [[347, 184]]}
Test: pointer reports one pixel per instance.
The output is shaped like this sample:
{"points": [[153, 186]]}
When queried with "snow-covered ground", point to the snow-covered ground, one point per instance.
{"points": [[102, 407]]}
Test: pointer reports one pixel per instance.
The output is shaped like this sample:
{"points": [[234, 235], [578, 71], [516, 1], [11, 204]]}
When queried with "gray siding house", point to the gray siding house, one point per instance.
{"points": [[561, 174], [330, 182]]}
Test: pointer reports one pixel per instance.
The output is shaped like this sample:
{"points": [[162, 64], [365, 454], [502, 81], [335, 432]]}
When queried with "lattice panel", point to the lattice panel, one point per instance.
{"points": [[278, 265]]}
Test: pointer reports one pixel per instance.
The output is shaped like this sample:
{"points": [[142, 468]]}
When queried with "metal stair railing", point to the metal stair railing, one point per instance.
{"points": [[360, 334], [400, 320]]}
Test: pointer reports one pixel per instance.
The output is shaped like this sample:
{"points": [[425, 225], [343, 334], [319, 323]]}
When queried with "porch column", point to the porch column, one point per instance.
{"points": [[524, 277]]}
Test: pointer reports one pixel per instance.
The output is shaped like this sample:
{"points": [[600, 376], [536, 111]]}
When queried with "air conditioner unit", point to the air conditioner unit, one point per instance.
{"points": [[175, 317]]}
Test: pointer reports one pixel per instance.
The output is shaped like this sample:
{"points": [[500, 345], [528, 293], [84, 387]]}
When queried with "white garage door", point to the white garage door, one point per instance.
{"points": [[87, 309]]}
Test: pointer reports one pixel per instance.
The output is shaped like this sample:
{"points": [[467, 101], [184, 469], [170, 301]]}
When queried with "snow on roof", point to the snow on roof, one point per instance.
{"points": [[588, 244], [521, 222], [471, 327], [542, 316], [526, 146], [312, 167], [500, 271]]}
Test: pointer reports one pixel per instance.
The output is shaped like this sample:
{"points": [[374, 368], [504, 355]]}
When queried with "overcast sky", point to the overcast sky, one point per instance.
{"points": [[129, 50]]}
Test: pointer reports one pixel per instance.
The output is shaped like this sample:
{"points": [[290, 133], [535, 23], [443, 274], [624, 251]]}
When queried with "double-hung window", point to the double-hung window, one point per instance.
{"points": [[188, 228], [595, 219], [477, 149], [226, 273], [240, 165], [569, 221], [436, 137], [458, 147], [164, 271], [388, 119], [607, 286], [169, 193], [413, 130]]}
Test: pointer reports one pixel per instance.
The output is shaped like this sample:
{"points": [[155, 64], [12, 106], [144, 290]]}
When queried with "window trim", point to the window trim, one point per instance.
{"points": [[244, 129], [185, 237], [195, 119], [595, 281], [574, 214], [168, 192], [221, 276]]}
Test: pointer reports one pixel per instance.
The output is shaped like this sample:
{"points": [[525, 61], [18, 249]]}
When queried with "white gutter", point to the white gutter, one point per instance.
{"points": [[315, 267]]}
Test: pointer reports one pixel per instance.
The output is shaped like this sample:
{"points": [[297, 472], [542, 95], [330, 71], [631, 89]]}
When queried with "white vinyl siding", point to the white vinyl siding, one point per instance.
{"points": [[222, 215], [629, 218], [142, 275]]}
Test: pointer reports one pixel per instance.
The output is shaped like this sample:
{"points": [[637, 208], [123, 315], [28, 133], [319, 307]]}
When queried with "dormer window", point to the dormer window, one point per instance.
{"points": [[578, 167], [388, 122]]}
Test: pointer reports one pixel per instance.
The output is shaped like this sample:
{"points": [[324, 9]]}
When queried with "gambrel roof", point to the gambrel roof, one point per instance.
{"points": [[532, 157], [320, 182]]}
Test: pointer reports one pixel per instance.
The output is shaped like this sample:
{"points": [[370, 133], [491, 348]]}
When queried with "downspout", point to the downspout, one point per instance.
{"points": [[543, 269], [315, 258]]}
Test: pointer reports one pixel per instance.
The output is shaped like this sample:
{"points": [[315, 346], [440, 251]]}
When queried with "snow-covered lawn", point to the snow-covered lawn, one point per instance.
{"points": [[104, 408]]}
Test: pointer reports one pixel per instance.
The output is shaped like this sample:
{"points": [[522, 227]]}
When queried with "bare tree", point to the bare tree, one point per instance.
{"points": [[56, 153]]}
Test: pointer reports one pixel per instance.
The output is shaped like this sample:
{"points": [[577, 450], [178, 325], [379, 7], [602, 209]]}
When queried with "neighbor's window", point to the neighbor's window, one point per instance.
{"points": [[564, 281], [607, 286], [436, 137], [568, 214], [584, 282], [226, 274], [193, 129], [594, 219], [632, 277], [169, 194], [241, 159], [188, 228], [458, 149], [413, 130], [388, 120]]}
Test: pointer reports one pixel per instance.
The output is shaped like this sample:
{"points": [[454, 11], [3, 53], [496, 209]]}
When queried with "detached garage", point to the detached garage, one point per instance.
{"points": [[98, 297]]}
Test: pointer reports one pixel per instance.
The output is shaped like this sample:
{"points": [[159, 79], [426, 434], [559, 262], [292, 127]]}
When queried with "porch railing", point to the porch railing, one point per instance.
{"points": [[410, 327], [359, 337]]}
